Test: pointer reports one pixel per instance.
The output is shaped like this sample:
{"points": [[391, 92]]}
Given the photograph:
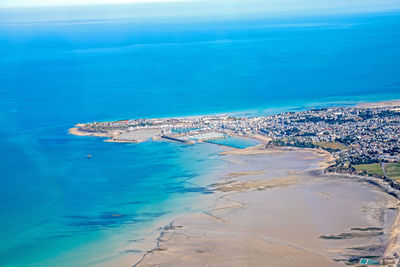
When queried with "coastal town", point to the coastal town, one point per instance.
{"points": [[359, 141], [363, 139]]}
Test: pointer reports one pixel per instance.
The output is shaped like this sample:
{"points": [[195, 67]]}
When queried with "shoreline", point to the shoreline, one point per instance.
{"points": [[115, 136], [392, 246], [248, 182], [226, 190], [76, 131]]}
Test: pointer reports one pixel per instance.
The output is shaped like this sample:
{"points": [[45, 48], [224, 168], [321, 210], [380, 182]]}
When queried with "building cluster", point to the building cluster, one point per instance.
{"points": [[354, 134]]}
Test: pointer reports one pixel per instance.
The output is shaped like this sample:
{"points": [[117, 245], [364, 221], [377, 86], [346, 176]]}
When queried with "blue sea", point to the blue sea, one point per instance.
{"points": [[60, 208]]}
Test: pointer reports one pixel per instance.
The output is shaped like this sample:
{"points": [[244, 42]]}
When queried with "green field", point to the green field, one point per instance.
{"points": [[332, 145], [393, 170], [369, 169]]}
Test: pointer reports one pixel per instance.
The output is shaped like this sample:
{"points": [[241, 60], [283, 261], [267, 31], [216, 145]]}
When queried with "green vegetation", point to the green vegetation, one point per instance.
{"points": [[393, 170], [332, 145], [292, 142], [373, 169]]}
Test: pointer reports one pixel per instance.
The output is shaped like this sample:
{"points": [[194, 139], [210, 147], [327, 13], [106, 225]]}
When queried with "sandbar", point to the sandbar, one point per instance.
{"points": [[280, 209]]}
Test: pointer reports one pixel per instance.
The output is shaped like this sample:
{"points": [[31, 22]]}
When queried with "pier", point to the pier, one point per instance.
{"points": [[173, 139]]}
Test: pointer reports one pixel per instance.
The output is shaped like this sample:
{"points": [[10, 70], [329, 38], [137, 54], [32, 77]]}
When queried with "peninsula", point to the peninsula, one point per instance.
{"points": [[363, 139], [260, 207]]}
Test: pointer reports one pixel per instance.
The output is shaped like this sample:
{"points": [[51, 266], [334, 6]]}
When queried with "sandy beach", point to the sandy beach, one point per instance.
{"points": [[75, 131], [275, 206], [380, 104], [278, 208]]}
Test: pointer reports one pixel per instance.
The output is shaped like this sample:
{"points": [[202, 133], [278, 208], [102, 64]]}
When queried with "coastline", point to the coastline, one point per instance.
{"points": [[387, 103], [171, 243], [393, 245], [141, 130], [100, 198], [76, 131], [172, 240]]}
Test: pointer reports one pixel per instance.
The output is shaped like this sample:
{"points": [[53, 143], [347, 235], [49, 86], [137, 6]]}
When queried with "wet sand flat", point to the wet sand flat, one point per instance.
{"points": [[279, 209]]}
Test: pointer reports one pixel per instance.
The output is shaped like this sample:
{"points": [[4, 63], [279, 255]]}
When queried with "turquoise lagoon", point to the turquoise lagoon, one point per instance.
{"points": [[60, 208], [235, 142]]}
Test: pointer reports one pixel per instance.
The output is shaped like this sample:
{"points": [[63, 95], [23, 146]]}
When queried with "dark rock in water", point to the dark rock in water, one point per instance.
{"points": [[172, 227], [132, 251], [370, 248], [352, 235], [366, 229], [338, 236]]}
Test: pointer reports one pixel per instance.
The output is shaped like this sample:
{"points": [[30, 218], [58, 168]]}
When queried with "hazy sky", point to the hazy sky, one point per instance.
{"points": [[26, 3], [191, 9], [282, 3]]}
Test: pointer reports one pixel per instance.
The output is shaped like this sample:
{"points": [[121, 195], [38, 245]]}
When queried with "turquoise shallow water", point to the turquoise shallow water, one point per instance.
{"points": [[235, 142], [57, 202], [58, 207]]}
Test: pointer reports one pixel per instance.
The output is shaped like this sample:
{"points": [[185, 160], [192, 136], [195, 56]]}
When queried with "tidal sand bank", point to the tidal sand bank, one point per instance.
{"points": [[278, 208]]}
